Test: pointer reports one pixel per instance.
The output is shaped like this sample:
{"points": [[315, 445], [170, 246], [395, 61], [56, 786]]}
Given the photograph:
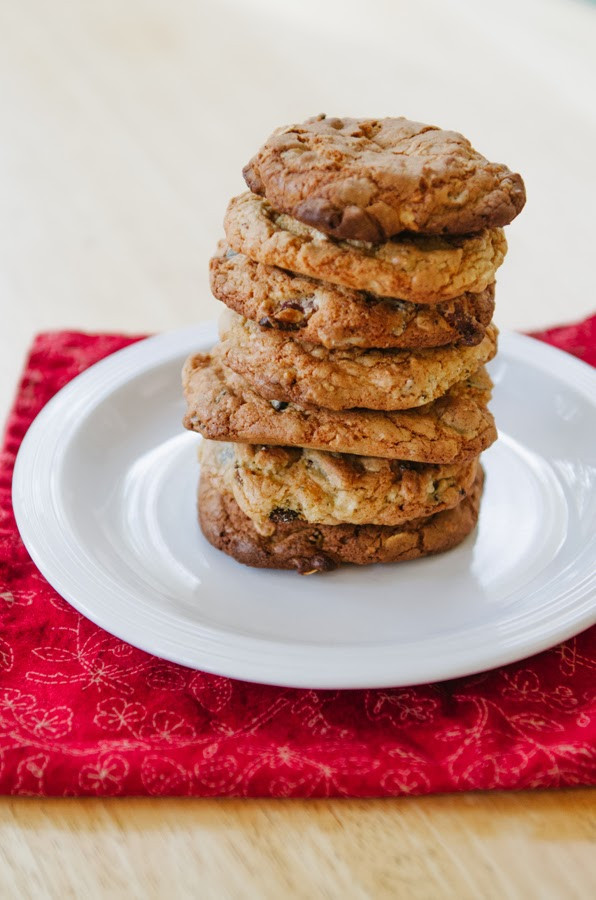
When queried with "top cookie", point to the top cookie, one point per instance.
{"points": [[369, 179]]}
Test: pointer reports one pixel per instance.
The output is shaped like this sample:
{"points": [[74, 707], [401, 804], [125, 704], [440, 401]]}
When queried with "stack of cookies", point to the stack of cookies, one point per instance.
{"points": [[345, 406]]}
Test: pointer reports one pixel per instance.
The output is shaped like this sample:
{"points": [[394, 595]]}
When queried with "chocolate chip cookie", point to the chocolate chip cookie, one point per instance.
{"points": [[309, 549], [339, 317], [222, 406], [282, 368], [418, 268], [368, 179], [273, 484]]}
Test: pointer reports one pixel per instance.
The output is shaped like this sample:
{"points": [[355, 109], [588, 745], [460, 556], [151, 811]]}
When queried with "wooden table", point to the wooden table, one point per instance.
{"points": [[123, 129]]}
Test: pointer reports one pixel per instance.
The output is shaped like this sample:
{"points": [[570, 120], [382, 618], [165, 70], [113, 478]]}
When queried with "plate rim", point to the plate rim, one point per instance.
{"points": [[102, 378]]}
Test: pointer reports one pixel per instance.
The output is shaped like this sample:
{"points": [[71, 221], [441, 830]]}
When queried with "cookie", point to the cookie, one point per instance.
{"points": [[273, 484], [320, 548], [338, 317], [418, 268], [282, 368], [368, 179], [222, 406]]}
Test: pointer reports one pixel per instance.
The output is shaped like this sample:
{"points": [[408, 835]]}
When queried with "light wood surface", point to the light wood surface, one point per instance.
{"points": [[488, 846], [124, 125]]}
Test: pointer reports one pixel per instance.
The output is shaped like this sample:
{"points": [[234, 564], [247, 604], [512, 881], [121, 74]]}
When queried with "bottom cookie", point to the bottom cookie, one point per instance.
{"points": [[320, 548]]}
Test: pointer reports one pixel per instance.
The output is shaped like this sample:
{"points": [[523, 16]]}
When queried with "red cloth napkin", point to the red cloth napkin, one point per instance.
{"points": [[83, 713]]}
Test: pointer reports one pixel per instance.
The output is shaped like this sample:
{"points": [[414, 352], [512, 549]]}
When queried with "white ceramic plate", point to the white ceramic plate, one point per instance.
{"points": [[104, 495]]}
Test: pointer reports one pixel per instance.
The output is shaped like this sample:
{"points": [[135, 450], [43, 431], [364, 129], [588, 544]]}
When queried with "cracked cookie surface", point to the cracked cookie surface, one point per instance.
{"points": [[310, 549], [338, 317], [222, 406], [280, 484], [418, 268], [368, 179], [282, 368]]}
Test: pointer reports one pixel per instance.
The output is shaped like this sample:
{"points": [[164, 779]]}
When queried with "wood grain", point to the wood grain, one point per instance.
{"points": [[123, 128], [492, 846]]}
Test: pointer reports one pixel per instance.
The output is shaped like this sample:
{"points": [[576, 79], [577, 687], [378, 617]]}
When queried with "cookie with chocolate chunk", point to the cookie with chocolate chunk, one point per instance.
{"points": [[223, 406], [310, 549], [415, 267], [369, 179], [282, 368], [269, 483], [338, 317]]}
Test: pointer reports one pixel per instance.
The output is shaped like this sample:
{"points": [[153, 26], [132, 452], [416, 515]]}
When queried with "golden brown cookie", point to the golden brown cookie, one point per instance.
{"points": [[418, 268], [368, 179], [282, 368], [272, 484], [222, 406], [320, 548], [338, 317]]}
